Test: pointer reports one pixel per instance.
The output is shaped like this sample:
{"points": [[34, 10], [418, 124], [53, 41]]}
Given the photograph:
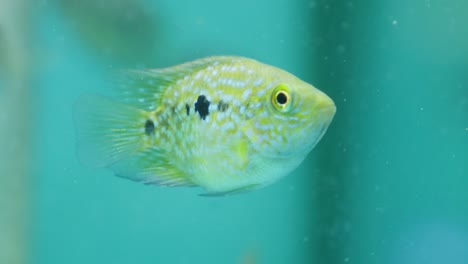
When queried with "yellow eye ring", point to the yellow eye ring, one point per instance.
{"points": [[281, 98]]}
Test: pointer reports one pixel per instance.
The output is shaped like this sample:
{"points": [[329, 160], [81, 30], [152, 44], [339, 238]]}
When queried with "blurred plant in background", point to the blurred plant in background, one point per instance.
{"points": [[115, 30], [14, 136]]}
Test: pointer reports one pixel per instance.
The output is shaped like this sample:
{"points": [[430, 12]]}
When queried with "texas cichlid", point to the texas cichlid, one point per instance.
{"points": [[227, 124]]}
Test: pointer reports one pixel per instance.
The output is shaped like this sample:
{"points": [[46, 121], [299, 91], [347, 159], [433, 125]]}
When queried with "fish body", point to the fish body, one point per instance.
{"points": [[227, 124]]}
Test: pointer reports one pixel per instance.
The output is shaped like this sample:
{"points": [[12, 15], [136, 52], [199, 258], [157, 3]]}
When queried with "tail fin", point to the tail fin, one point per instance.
{"points": [[112, 134], [107, 131]]}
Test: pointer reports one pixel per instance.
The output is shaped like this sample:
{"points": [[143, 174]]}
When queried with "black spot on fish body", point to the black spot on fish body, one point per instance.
{"points": [[202, 106], [149, 127], [187, 108], [222, 106]]}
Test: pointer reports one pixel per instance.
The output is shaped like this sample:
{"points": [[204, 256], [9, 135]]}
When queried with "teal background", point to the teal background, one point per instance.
{"points": [[387, 184]]}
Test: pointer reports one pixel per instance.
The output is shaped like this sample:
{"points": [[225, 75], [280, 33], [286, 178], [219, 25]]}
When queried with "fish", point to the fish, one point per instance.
{"points": [[227, 124]]}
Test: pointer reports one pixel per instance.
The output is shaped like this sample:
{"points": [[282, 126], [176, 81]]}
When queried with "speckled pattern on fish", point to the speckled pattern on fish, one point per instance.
{"points": [[227, 124]]}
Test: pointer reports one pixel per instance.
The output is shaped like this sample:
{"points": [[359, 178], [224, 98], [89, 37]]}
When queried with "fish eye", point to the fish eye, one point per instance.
{"points": [[281, 98]]}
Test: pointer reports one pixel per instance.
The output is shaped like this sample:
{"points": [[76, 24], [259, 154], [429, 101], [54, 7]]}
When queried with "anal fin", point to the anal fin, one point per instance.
{"points": [[151, 166], [242, 189]]}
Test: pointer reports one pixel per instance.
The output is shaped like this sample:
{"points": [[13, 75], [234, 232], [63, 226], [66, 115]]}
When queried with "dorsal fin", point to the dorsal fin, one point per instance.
{"points": [[144, 88]]}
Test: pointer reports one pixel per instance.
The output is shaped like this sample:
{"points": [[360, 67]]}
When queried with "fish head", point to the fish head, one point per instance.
{"points": [[298, 116]]}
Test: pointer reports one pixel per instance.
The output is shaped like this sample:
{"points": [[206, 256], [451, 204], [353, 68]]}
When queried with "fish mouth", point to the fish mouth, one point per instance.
{"points": [[325, 113], [322, 106], [325, 106]]}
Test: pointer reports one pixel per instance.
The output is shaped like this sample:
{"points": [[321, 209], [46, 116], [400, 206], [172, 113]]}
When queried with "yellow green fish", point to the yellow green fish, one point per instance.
{"points": [[226, 124]]}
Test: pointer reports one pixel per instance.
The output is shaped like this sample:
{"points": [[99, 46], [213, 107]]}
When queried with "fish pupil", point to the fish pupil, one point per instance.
{"points": [[281, 98], [149, 127]]}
